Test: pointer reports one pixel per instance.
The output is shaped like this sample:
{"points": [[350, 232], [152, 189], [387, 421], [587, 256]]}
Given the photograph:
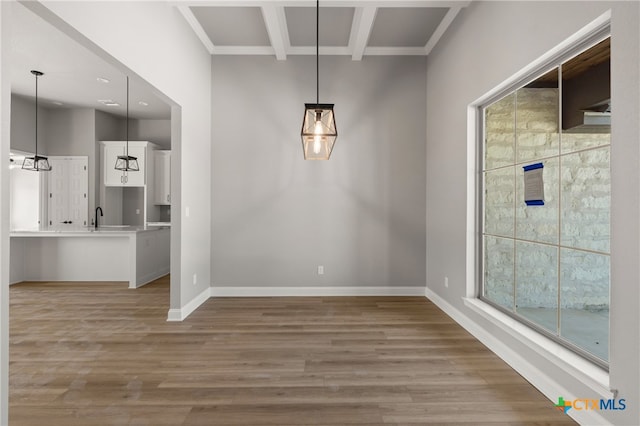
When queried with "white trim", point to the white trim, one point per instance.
{"points": [[440, 30], [179, 314], [197, 28], [361, 30], [575, 366], [150, 277], [325, 3], [593, 28], [555, 353], [243, 50], [276, 23], [223, 291], [324, 50], [394, 51]]}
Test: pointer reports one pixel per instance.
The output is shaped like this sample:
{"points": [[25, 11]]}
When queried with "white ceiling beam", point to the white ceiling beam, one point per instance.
{"points": [[243, 50], [324, 50], [360, 30], [325, 3], [394, 51], [276, 23], [440, 30], [197, 28]]}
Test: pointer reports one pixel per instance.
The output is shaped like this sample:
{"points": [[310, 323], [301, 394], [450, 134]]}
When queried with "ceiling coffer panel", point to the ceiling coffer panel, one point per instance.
{"points": [[417, 26], [335, 25], [233, 26]]}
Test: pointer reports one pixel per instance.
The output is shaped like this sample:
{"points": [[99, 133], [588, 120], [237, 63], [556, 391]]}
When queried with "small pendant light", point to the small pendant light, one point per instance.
{"points": [[319, 131], [37, 163], [127, 163]]}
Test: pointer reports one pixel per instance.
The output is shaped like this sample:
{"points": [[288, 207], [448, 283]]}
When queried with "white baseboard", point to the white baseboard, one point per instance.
{"points": [[223, 291], [146, 279], [538, 378], [179, 314]]}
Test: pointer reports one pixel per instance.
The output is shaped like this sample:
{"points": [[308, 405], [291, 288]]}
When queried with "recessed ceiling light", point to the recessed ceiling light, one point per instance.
{"points": [[143, 103], [108, 102], [103, 80]]}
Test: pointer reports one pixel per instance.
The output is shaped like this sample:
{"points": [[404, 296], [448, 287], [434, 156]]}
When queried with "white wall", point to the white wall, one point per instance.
{"points": [[276, 217], [166, 53], [5, 137], [487, 44]]}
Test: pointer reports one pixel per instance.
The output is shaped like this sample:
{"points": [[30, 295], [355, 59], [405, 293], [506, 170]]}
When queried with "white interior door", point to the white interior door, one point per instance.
{"points": [[68, 191]]}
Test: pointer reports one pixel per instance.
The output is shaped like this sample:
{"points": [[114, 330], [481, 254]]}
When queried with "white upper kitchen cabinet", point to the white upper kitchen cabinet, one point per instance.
{"points": [[162, 178], [110, 152]]}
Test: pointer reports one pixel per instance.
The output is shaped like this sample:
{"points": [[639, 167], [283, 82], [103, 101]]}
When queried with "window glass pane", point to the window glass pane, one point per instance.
{"points": [[586, 199], [537, 116], [576, 141], [499, 133], [498, 202], [539, 223], [498, 270], [537, 284], [584, 298]]}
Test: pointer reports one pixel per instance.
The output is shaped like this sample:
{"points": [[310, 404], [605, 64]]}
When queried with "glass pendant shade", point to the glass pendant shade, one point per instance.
{"points": [[319, 131], [36, 163], [127, 163]]}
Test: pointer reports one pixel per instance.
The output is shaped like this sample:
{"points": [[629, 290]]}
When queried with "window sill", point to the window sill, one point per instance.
{"points": [[579, 368]]}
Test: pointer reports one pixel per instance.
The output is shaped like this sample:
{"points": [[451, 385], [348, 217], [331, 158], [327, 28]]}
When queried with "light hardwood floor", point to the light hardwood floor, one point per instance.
{"points": [[101, 354]]}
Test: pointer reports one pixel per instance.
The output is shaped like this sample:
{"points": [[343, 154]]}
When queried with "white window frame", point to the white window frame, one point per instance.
{"points": [[585, 370]]}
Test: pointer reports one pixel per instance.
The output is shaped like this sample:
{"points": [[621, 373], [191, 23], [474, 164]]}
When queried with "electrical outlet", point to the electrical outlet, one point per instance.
{"points": [[137, 211], [186, 211], [446, 282], [195, 279], [320, 270]]}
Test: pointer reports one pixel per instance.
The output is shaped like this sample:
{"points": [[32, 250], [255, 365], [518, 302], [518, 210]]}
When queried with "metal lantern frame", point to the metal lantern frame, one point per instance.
{"points": [[127, 163], [319, 131], [37, 163]]}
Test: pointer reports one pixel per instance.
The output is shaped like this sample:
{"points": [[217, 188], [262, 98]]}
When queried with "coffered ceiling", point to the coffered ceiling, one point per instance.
{"points": [[355, 28]]}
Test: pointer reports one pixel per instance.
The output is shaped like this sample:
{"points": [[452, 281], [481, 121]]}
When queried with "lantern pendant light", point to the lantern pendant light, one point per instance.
{"points": [[126, 162], [37, 163], [319, 131]]}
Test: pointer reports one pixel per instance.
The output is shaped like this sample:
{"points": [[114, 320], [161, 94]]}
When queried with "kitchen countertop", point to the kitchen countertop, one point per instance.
{"points": [[84, 231]]}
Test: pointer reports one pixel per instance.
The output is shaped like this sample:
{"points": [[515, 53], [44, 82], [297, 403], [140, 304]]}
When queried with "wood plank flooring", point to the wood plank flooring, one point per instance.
{"points": [[101, 354]]}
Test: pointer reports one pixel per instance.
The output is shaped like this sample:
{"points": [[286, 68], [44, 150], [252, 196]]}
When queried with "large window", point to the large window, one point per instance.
{"points": [[545, 243]]}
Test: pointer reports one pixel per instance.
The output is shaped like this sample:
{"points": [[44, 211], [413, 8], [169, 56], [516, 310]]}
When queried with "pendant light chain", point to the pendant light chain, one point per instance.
{"points": [[127, 116], [319, 131], [36, 154], [317, 52]]}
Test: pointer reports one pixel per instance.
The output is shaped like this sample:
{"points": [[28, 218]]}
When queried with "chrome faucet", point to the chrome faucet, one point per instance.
{"points": [[98, 208]]}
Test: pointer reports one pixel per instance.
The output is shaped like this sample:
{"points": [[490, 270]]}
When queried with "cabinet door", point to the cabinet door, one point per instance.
{"points": [[112, 177], [162, 178], [136, 178]]}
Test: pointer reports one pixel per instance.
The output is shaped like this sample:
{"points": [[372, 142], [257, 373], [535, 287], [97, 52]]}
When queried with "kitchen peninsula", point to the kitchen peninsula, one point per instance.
{"points": [[134, 254]]}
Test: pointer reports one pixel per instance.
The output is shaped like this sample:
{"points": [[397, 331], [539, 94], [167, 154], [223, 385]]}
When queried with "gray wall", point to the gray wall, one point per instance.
{"points": [[487, 44], [72, 132], [156, 131], [361, 214], [22, 122]]}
